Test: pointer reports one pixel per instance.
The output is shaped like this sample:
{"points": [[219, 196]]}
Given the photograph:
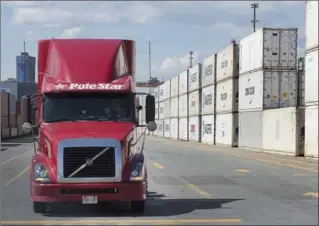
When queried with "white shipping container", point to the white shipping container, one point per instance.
{"points": [[167, 90], [160, 128], [227, 129], [227, 96], [280, 130], [167, 129], [268, 48], [288, 89], [311, 25], [311, 131], [194, 128], [194, 105], [156, 110], [183, 105], [183, 128], [208, 100], [208, 73], [301, 88], [174, 86], [194, 78], [167, 108], [183, 83], [174, 107], [259, 90], [227, 65], [250, 130], [161, 93], [311, 78], [161, 110], [174, 128], [208, 129]]}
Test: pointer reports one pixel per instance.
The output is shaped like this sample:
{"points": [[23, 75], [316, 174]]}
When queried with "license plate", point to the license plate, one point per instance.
{"points": [[89, 200]]}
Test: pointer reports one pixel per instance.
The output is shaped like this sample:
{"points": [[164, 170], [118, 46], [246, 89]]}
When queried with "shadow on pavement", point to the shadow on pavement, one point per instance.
{"points": [[156, 206], [19, 140]]}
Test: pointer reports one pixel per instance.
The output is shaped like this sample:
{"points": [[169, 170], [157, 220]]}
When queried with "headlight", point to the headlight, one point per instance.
{"points": [[137, 172], [41, 174]]}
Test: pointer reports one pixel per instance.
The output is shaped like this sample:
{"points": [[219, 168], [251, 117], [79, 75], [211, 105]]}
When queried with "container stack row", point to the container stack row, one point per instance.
{"points": [[247, 95], [268, 91], [311, 80], [11, 116]]}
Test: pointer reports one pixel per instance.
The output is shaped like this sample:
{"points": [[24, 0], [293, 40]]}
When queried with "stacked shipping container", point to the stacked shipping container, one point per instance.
{"points": [[174, 108], [227, 96], [267, 81], [311, 80], [194, 102], [183, 106], [208, 100]]}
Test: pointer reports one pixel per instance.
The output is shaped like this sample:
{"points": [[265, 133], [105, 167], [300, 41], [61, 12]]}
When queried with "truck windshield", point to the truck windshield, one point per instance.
{"points": [[59, 107]]}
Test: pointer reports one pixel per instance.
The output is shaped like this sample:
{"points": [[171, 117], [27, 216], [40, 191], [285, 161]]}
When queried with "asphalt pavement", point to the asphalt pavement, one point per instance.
{"points": [[189, 184]]}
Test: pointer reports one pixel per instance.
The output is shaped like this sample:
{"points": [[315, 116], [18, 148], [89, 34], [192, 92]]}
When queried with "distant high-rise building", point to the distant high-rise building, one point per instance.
{"points": [[25, 68]]}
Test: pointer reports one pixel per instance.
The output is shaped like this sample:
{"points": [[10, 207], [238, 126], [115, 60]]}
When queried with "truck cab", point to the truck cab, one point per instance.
{"points": [[88, 150]]}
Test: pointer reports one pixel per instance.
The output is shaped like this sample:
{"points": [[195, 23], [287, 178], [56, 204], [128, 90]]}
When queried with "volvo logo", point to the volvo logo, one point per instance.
{"points": [[89, 162]]}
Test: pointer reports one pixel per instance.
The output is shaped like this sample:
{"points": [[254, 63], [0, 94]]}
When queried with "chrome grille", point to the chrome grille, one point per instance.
{"points": [[75, 157]]}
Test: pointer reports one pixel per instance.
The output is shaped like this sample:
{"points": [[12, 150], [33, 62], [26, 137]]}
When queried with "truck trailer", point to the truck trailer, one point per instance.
{"points": [[87, 149]]}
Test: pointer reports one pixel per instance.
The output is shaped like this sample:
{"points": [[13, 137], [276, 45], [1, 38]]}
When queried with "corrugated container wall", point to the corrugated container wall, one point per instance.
{"points": [[183, 106], [268, 48], [167, 90], [227, 96], [227, 129], [208, 100], [208, 129], [194, 128], [183, 83], [227, 63], [194, 105], [174, 128], [174, 107], [160, 128], [311, 25], [183, 128], [156, 110], [267, 90], [208, 72], [161, 110], [311, 131], [311, 78], [194, 78], [161, 95], [250, 130], [174, 87], [167, 129], [167, 108]]}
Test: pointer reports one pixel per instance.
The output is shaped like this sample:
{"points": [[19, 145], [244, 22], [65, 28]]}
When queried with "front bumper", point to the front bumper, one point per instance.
{"points": [[126, 191]]}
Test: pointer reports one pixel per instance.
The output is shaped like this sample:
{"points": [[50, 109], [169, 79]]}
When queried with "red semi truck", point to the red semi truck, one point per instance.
{"points": [[88, 148]]}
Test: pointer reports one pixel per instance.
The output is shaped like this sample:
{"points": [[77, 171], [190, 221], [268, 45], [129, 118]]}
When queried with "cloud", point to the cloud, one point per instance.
{"points": [[71, 32], [176, 64]]}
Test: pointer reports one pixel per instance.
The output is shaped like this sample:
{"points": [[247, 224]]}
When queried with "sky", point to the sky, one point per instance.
{"points": [[173, 28]]}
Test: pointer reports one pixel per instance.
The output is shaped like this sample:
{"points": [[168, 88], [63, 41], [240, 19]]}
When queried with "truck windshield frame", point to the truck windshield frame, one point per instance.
{"points": [[63, 107]]}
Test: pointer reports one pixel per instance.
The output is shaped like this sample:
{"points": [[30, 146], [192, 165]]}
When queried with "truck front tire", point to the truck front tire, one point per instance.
{"points": [[39, 207], [138, 206]]}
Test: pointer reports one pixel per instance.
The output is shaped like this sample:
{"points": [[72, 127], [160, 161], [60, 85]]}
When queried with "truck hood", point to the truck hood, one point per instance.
{"points": [[58, 131]]}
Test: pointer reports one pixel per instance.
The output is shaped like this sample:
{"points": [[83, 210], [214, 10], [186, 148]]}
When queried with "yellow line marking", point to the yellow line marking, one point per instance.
{"points": [[242, 170], [17, 156], [199, 191], [313, 194], [17, 176], [156, 164], [146, 221], [185, 143]]}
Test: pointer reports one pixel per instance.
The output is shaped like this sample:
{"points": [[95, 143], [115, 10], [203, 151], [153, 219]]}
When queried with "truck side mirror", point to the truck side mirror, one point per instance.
{"points": [[26, 128], [150, 109]]}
